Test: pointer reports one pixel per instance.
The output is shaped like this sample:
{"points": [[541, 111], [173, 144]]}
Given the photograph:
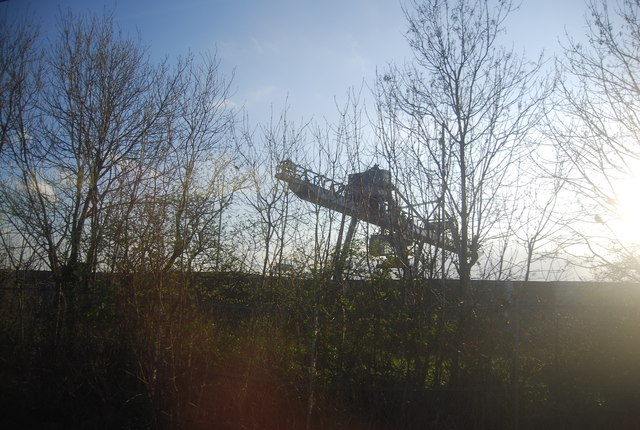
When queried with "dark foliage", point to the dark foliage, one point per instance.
{"points": [[213, 351]]}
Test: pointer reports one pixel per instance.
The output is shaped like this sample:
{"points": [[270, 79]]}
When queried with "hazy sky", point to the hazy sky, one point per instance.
{"points": [[309, 52]]}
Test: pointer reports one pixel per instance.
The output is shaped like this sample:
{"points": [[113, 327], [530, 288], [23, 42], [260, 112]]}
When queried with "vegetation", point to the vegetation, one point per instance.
{"points": [[221, 351]]}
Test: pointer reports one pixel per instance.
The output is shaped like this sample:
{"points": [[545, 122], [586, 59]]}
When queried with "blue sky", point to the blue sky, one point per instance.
{"points": [[307, 52]]}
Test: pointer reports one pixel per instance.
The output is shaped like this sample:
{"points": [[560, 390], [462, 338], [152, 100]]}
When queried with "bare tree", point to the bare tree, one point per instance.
{"points": [[169, 204], [268, 198], [200, 166], [98, 113], [468, 105], [19, 77], [19, 86], [596, 124], [102, 107], [530, 240], [460, 116]]}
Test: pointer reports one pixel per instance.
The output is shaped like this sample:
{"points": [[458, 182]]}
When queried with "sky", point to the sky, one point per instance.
{"points": [[300, 53]]}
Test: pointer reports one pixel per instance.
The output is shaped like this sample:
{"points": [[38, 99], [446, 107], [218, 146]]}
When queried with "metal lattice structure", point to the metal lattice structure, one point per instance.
{"points": [[370, 196]]}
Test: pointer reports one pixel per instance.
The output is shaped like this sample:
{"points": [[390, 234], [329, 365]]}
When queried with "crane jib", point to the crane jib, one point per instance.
{"points": [[368, 196]]}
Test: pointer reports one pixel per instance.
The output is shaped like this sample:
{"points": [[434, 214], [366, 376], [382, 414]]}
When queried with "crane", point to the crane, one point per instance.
{"points": [[369, 196]]}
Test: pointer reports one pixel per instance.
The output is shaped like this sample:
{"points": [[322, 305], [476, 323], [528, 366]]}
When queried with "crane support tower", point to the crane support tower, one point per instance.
{"points": [[369, 196]]}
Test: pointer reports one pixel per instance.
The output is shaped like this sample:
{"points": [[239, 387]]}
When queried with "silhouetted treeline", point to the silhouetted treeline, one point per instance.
{"points": [[234, 351]]}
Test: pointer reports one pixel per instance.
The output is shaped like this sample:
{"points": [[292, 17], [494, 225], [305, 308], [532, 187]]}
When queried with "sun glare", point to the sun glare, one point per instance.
{"points": [[628, 208]]}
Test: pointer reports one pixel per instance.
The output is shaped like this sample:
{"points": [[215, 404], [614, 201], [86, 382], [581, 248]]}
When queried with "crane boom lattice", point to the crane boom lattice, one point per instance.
{"points": [[368, 196]]}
